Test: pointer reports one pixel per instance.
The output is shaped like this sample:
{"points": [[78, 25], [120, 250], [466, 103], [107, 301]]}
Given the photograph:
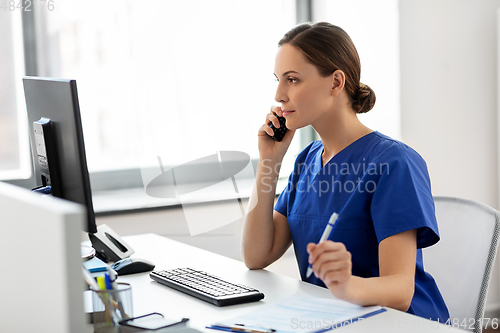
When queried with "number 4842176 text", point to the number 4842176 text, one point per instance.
{"points": [[26, 5]]}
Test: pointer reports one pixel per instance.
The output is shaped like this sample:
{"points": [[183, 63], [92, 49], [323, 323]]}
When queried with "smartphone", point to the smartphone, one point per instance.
{"points": [[279, 133]]}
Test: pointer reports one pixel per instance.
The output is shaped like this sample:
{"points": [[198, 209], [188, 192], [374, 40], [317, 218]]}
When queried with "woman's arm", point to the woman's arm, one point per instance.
{"points": [[396, 284], [266, 235]]}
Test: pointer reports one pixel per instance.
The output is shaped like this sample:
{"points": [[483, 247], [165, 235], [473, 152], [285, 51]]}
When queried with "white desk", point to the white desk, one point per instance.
{"points": [[150, 296]]}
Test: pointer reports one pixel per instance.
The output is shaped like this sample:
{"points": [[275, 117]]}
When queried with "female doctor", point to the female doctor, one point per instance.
{"points": [[379, 186]]}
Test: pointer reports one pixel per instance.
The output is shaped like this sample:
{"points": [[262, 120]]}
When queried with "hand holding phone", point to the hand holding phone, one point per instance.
{"points": [[280, 132]]}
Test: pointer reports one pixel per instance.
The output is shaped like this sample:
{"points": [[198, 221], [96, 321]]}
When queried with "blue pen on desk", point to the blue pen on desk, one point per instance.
{"points": [[324, 237], [237, 328]]}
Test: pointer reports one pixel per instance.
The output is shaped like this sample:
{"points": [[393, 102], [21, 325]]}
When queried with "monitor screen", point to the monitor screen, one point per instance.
{"points": [[56, 101]]}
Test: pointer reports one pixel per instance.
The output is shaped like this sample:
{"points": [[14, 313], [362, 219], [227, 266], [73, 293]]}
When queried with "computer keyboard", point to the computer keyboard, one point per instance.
{"points": [[206, 287]]}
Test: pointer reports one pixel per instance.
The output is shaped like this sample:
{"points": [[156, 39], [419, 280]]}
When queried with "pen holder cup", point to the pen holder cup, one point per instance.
{"points": [[111, 306]]}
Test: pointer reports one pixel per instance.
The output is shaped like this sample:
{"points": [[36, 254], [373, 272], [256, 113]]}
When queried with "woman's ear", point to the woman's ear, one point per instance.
{"points": [[338, 81]]}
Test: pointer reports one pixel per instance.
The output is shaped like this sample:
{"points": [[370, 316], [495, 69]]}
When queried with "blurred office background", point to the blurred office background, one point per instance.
{"points": [[185, 77]]}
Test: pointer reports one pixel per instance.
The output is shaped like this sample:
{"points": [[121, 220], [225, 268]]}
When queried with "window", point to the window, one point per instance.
{"points": [[14, 146], [177, 79]]}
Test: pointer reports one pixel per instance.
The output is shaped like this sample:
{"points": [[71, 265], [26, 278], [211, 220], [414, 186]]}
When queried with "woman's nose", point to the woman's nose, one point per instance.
{"points": [[280, 96]]}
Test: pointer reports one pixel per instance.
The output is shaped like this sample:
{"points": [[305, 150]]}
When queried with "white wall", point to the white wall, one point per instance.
{"points": [[449, 97], [449, 91]]}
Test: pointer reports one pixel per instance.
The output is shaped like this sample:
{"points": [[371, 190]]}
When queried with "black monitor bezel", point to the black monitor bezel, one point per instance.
{"points": [[41, 95]]}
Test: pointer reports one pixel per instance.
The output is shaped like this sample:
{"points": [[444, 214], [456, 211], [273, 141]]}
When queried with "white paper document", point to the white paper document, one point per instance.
{"points": [[301, 313]]}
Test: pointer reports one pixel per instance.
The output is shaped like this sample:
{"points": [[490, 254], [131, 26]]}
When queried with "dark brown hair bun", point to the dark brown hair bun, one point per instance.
{"points": [[364, 100]]}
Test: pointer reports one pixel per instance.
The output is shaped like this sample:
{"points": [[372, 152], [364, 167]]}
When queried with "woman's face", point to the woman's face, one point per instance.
{"points": [[304, 94]]}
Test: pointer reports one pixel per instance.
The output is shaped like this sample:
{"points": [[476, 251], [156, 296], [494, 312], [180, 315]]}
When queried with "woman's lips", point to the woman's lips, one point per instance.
{"points": [[287, 112]]}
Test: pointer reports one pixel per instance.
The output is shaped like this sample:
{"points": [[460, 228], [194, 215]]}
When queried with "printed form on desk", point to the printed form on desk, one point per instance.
{"points": [[300, 313]]}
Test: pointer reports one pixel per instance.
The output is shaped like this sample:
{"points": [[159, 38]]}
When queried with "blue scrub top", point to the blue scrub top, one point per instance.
{"points": [[380, 187]]}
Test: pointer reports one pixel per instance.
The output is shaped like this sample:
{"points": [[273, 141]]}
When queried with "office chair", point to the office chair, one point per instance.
{"points": [[462, 261]]}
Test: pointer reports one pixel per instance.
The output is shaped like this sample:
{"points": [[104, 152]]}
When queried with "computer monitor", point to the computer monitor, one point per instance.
{"points": [[58, 152], [57, 100], [42, 269]]}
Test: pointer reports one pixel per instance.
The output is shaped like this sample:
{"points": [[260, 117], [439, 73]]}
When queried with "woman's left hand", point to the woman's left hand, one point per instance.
{"points": [[332, 264]]}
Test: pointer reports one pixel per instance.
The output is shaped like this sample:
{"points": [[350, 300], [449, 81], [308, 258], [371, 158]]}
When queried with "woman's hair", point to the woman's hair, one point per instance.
{"points": [[330, 48]]}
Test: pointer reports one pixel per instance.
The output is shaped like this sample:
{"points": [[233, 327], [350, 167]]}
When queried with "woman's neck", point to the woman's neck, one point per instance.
{"points": [[338, 131]]}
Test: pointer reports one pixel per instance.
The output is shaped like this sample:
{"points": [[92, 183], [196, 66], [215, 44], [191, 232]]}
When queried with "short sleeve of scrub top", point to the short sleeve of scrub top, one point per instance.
{"points": [[379, 187]]}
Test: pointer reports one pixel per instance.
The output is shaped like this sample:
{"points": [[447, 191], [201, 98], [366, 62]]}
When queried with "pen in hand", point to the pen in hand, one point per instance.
{"points": [[324, 237]]}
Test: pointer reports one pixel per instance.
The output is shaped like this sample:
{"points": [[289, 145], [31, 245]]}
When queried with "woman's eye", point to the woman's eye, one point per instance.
{"points": [[291, 80]]}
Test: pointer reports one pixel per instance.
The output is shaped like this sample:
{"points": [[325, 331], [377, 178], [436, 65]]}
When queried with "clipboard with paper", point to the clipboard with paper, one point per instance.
{"points": [[300, 313]]}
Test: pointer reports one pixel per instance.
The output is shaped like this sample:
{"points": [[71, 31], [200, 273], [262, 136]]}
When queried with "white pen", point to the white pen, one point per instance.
{"points": [[324, 237]]}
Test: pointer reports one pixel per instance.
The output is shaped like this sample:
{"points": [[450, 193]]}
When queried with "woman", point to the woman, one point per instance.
{"points": [[379, 186]]}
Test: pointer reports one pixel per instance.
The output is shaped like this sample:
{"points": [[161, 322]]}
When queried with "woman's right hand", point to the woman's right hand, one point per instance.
{"points": [[268, 147]]}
